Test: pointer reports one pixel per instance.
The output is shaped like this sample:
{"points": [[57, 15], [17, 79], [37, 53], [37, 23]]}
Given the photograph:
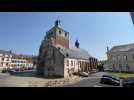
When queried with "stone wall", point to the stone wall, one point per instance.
{"points": [[54, 63]]}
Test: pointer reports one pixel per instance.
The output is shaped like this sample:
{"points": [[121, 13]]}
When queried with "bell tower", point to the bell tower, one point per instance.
{"points": [[57, 36]]}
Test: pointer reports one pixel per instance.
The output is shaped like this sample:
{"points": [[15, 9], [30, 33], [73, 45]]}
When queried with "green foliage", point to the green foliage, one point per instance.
{"points": [[100, 67]]}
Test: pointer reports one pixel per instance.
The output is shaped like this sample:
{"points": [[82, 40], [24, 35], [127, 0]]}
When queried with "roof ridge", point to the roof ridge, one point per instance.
{"points": [[124, 47]]}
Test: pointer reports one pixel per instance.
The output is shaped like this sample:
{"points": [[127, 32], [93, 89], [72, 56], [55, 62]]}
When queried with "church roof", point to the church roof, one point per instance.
{"points": [[77, 53], [126, 47]]}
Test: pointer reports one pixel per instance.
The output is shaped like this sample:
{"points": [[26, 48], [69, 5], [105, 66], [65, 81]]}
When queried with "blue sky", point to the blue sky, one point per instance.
{"points": [[22, 32]]}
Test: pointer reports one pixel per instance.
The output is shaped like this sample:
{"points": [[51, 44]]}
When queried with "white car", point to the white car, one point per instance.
{"points": [[84, 74]]}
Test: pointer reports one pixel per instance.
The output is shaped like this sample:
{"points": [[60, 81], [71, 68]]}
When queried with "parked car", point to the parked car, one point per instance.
{"points": [[4, 71], [84, 74], [107, 79], [129, 82]]}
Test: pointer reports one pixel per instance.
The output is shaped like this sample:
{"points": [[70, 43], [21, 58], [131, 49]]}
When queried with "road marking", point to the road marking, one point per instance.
{"points": [[97, 86]]}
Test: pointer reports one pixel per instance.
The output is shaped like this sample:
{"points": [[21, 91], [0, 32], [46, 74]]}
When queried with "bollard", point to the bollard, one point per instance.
{"points": [[121, 83]]}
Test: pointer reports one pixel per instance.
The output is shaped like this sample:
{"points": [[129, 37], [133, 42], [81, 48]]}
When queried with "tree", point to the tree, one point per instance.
{"points": [[100, 67]]}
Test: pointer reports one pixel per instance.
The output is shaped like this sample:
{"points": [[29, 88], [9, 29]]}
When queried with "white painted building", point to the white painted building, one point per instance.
{"points": [[18, 62], [5, 59], [11, 60]]}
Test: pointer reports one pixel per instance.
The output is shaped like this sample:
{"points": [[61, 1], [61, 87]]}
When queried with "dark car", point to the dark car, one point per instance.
{"points": [[129, 82], [4, 71], [107, 79]]}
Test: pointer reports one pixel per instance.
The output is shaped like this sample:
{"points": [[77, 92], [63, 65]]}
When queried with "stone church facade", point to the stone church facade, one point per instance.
{"points": [[56, 58]]}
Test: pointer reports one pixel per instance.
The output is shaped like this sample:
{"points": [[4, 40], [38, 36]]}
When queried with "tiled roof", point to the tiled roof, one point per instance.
{"points": [[75, 53], [126, 47]]}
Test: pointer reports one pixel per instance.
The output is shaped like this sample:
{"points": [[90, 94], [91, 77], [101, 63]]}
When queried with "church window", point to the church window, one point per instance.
{"points": [[59, 31], [71, 63], [67, 54], [65, 34], [67, 62]]}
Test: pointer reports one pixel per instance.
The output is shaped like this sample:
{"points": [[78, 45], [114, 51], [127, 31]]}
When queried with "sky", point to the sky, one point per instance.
{"points": [[22, 32]]}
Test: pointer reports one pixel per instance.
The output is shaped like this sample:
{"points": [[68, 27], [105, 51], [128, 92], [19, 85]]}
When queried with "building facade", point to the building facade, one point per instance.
{"points": [[56, 58], [5, 59], [121, 58], [12, 60]]}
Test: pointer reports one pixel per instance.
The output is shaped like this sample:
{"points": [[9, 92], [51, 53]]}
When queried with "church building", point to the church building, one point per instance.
{"points": [[57, 58]]}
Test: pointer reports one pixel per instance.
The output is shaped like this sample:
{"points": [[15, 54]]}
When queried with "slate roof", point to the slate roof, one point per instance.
{"points": [[77, 53], [126, 47], [5, 52]]}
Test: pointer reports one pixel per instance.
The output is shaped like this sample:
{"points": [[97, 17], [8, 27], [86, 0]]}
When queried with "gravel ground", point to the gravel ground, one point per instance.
{"points": [[7, 80], [17, 81]]}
